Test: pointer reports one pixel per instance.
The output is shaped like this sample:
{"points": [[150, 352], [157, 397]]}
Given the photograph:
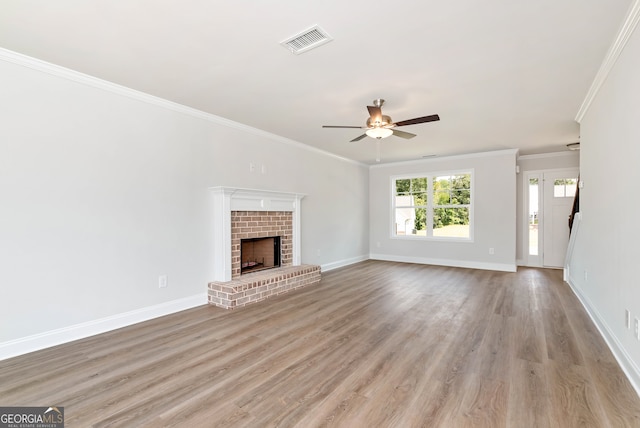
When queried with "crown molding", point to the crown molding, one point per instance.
{"points": [[85, 79], [450, 157], [625, 32], [550, 155]]}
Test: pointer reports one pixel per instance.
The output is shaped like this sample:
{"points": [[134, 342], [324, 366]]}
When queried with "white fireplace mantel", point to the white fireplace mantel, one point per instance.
{"points": [[227, 199]]}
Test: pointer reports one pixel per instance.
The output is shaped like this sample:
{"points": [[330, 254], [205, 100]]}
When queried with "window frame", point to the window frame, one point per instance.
{"points": [[431, 206]]}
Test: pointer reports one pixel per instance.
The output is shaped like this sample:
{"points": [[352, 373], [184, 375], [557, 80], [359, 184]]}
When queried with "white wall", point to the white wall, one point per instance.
{"points": [[559, 160], [606, 246], [494, 193], [102, 190]]}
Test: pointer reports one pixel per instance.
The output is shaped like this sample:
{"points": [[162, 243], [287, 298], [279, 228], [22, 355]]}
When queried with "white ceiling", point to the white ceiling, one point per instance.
{"points": [[500, 73]]}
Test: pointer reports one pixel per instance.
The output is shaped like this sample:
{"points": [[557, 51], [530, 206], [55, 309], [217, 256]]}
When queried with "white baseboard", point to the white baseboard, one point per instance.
{"points": [[446, 262], [342, 263], [59, 336], [624, 360]]}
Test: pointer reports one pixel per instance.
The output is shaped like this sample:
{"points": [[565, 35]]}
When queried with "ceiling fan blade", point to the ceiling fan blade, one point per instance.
{"points": [[358, 138], [375, 113], [338, 126], [432, 118], [403, 134]]}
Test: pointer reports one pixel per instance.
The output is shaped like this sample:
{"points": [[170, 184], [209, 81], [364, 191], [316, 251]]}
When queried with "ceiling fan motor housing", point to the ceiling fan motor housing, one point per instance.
{"points": [[384, 121]]}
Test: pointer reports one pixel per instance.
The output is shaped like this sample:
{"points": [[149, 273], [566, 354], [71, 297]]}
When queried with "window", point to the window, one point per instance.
{"points": [[533, 216], [565, 187], [436, 206], [411, 206]]}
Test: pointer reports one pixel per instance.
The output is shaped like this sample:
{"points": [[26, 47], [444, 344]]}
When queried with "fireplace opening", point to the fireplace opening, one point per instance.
{"points": [[259, 254]]}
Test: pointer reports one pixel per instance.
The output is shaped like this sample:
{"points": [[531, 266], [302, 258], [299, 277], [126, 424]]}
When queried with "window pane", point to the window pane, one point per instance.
{"points": [[419, 184], [564, 187], [558, 190], [461, 181], [533, 216], [411, 221], [461, 197], [452, 190], [440, 186], [451, 222], [441, 191], [402, 186], [441, 197]]}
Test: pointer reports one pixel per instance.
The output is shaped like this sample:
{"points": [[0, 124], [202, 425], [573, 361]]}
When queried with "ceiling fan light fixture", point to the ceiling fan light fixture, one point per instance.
{"points": [[379, 132]]}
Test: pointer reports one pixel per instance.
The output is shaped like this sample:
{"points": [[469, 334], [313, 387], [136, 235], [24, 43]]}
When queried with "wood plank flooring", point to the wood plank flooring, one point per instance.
{"points": [[376, 344]]}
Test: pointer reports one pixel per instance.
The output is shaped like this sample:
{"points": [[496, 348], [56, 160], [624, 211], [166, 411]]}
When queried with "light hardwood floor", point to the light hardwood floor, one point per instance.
{"points": [[376, 344]]}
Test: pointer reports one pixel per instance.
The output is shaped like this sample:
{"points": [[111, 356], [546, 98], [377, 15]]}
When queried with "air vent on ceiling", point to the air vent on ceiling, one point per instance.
{"points": [[307, 40]]}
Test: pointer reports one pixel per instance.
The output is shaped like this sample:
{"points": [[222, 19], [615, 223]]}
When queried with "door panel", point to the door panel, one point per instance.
{"points": [[559, 191]]}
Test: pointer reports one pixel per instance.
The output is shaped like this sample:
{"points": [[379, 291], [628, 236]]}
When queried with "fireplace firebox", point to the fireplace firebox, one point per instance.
{"points": [[259, 254]]}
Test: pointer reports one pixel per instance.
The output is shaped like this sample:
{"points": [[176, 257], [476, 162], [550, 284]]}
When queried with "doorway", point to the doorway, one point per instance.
{"points": [[549, 198]]}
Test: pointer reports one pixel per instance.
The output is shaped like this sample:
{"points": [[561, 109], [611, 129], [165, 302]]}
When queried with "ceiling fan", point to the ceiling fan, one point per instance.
{"points": [[381, 126]]}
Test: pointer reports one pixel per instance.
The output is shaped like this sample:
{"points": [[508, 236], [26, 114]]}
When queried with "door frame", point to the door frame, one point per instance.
{"points": [[532, 260]]}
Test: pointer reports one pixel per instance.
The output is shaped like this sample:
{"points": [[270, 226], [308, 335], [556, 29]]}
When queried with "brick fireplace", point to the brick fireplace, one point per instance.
{"points": [[247, 214], [260, 224]]}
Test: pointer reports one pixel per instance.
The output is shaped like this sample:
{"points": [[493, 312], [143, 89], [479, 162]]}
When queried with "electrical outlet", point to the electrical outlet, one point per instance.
{"points": [[627, 318], [492, 251], [162, 281], [636, 329], [586, 276], [252, 167]]}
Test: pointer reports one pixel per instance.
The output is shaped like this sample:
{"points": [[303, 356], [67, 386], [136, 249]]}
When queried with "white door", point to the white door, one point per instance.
{"points": [[558, 193]]}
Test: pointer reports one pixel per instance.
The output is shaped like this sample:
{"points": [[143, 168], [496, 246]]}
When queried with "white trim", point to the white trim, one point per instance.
{"points": [[448, 158], [85, 79], [622, 357], [421, 238], [505, 267], [59, 336], [618, 45], [549, 155], [552, 170], [341, 263]]}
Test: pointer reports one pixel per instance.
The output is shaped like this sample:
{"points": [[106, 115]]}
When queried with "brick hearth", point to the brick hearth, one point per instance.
{"points": [[254, 287]]}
